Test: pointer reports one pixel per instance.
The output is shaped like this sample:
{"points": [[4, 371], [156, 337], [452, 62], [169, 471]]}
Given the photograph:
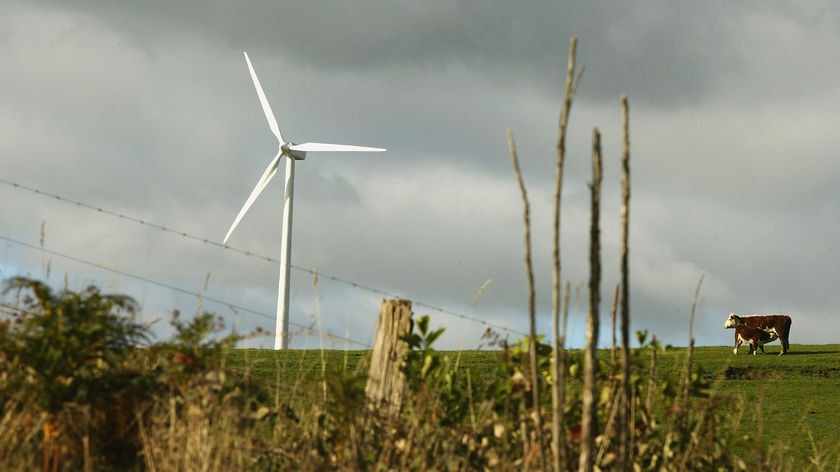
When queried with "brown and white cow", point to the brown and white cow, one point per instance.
{"points": [[776, 324]]}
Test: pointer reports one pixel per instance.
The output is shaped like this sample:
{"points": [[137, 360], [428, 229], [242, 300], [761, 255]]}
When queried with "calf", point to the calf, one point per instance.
{"points": [[755, 337], [779, 325]]}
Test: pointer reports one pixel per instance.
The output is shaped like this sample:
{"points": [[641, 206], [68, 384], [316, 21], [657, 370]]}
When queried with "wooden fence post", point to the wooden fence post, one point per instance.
{"points": [[386, 382]]}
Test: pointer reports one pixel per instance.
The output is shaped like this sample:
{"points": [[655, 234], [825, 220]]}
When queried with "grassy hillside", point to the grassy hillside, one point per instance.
{"points": [[789, 401]]}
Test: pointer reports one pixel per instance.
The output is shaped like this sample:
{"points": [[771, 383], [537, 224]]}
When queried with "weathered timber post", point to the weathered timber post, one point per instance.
{"points": [[386, 381]]}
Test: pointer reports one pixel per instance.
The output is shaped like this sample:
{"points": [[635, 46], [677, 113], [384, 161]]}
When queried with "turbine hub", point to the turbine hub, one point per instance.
{"points": [[287, 150]]}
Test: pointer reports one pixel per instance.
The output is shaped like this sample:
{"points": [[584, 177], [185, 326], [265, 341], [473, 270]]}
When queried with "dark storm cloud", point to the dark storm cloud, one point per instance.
{"points": [[664, 54]]}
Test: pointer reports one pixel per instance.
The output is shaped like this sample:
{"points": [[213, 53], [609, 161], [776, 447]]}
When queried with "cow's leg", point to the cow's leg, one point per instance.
{"points": [[761, 346], [753, 350], [737, 345]]}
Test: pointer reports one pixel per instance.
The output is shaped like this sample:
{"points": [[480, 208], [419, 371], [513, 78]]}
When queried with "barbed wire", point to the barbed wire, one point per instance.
{"points": [[216, 244], [123, 216], [303, 329], [235, 308]]}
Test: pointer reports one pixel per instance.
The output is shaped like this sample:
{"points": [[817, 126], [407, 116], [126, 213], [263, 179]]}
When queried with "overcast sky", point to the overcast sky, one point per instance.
{"points": [[147, 110]]}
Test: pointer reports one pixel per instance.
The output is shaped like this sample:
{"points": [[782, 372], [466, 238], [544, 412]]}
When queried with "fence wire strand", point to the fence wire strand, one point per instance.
{"points": [[216, 244]]}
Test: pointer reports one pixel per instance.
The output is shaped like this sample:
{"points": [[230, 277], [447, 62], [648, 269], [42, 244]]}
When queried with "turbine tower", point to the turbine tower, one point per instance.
{"points": [[292, 152]]}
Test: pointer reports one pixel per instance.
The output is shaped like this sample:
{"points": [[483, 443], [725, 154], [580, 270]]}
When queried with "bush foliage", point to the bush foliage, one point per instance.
{"points": [[83, 388], [81, 384]]}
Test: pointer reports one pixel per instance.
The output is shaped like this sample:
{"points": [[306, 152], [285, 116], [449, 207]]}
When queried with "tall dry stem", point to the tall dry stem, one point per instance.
{"points": [[320, 336], [532, 315], [686, 372], [612, 330], [558, 385], [654, 357], [559, 421], [589, 423], [625, 445]]}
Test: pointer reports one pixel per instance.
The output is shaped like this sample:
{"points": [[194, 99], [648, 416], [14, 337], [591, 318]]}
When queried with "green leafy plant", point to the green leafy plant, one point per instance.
{"points": [[69, 351], [195, 350], [431, 377], [202, 417]]}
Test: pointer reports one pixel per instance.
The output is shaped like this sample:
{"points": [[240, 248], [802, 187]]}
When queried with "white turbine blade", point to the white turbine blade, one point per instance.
{"points": [[269, 115], [266, 177], [324, 147]]}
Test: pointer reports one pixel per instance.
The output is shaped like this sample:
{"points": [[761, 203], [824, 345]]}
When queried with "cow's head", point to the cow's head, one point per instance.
{"points": [[733, 321]]}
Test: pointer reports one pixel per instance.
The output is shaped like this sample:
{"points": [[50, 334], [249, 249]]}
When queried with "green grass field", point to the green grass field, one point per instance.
{"points": [[795, 395], [790, 400]]}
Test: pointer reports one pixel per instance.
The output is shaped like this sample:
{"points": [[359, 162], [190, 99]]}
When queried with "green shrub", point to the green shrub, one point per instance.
{"points": [[82, 387], [70, 358]]}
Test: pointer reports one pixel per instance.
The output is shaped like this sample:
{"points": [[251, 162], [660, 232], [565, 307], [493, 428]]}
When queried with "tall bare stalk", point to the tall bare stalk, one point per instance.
{"points": [[532, 311], [614, 312], [558, 393], [589, 423], [686, 374], [561, 398], [651, 392], [625, 445]]}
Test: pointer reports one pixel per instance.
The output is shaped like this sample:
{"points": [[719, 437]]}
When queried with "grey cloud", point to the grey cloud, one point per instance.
{"points": [[147, 109], [661, 54]]}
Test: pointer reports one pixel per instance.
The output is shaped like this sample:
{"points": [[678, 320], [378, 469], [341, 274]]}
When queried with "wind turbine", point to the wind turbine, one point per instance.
{"points": [[293, 152]]}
